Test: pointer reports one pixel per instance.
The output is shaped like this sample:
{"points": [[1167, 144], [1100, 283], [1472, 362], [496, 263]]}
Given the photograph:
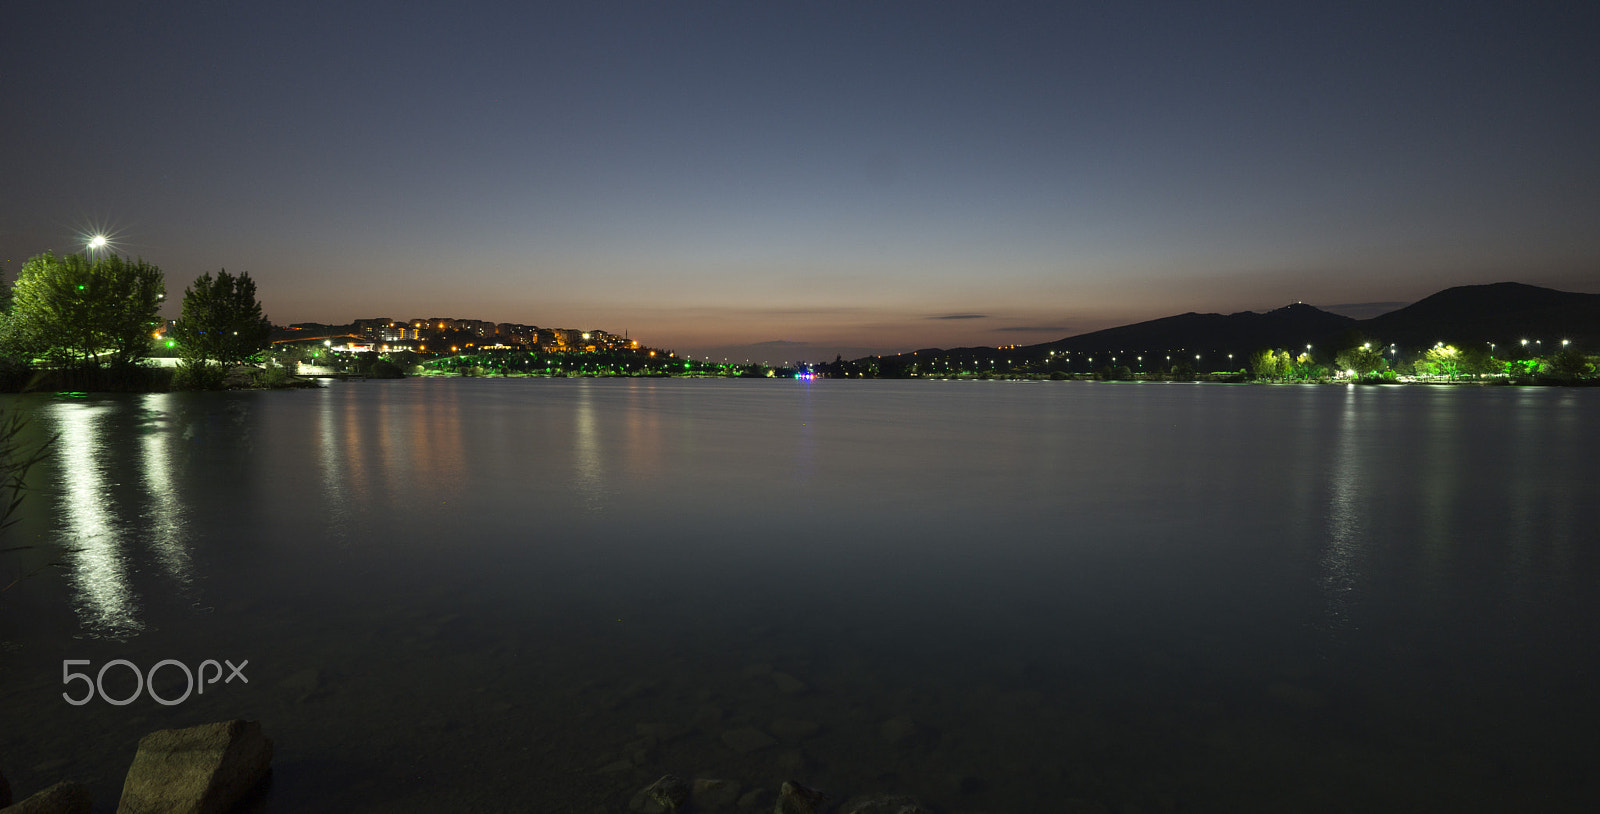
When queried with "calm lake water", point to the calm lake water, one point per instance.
{"points": [[1003, 597]]}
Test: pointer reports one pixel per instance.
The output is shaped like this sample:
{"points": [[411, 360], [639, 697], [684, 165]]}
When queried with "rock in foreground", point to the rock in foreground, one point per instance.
{"points": [[670, 792], [62, 798], [204, 769], [794, 798]]}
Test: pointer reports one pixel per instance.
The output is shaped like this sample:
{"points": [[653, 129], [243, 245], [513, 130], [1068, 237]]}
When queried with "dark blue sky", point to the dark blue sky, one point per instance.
{"points": [[827, 175]]}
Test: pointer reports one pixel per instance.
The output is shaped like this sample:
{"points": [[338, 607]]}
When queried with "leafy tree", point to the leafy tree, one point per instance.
{"points": [[1570, 362], [1441, 360], [1478, 361], [1269, 364], [1303, 368], [78, 313], [1363, 360], [222, 320]]}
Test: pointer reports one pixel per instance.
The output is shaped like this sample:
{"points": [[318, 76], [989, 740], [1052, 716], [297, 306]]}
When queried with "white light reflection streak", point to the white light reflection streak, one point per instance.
{"points": [[165, 519], [106, 604], [336, 510], [1339, 574], [589, 474]]}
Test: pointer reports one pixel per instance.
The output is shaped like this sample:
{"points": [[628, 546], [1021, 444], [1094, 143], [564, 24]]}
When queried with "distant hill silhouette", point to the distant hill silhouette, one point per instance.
{"points": [[1286, 327], [1502, 313]]}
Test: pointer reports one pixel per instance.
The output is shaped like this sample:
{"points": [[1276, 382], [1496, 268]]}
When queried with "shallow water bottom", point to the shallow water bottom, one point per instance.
{"points": [[430, 699]]}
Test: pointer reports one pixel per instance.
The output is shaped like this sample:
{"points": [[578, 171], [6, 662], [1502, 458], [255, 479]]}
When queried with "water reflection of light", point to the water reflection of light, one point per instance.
{"points": [[1541, 517], [588, 470], [643, 429], [1564, 513], [354, 427], [165, 519], [1441, 457], [106, 603], [393, 453], [806, 450], [1340, 559], [331, 461]]}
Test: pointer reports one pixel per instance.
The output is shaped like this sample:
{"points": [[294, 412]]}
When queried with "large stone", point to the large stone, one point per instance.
{"points": [[62, 798], [794, 798], [666, 795], [670, 792], [204, 769]]}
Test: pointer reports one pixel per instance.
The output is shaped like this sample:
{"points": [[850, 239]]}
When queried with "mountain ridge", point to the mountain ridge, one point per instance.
{"points": [[1502, 314]]}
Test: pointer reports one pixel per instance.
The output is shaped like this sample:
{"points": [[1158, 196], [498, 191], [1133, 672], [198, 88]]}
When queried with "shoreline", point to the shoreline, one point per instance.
{"points": [[37, 382]]}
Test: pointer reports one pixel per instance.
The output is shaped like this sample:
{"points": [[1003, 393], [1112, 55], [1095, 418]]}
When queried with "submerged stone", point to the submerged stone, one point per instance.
{"points": [[794, 730], [883, 804], [788, 684], [745, 740], [304, 684], [62, 798], [753, 799], [793, 762], [714, 795], [1296, 695], [901, 731], [663, 732]]}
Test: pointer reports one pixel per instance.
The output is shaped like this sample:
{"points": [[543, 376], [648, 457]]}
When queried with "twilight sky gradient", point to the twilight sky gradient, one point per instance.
{"points": [[808, 178]]}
